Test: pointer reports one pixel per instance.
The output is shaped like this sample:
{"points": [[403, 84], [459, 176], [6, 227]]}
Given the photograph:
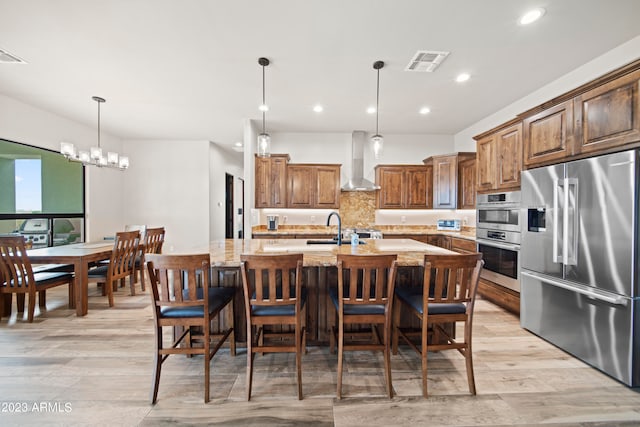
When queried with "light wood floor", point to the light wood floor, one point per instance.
{"points": [[96, 370]]}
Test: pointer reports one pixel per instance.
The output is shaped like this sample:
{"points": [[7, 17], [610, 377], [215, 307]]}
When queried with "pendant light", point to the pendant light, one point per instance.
{"points": [[264, 140], [94, 157], [377, 140]]}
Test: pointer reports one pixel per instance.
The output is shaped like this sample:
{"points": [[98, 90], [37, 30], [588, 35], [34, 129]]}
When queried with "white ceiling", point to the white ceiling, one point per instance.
{"points": [[189, 69]]}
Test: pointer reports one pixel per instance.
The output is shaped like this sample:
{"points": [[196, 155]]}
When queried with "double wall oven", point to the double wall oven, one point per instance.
{"points": [[498, 237]]}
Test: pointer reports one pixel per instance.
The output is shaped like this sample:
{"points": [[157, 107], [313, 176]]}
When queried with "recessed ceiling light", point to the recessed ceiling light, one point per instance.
{"points": [[318, 108], [425, 110], [263, 107], [238, 144], [371, 110], [531, 16], [462, 77]]}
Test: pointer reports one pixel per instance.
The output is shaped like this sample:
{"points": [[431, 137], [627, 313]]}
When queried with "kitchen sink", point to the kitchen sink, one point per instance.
{"points": [[330, 242]]}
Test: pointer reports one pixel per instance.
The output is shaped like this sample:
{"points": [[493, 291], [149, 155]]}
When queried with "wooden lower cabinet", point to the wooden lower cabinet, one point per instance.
{"points": [[463, 246], [499, 295]]}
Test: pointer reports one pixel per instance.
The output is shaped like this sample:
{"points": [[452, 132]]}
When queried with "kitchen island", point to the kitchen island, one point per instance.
{"points": [[319, 273]]}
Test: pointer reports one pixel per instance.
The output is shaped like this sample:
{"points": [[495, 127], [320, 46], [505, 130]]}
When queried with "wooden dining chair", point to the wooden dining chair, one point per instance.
{"points": [[364, 296], [447, 296], [120, 265], [152, 244], [273, 296], [184, 301], [17, 277]]}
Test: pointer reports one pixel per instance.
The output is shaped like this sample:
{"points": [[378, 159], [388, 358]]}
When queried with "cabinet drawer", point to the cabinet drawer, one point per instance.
{"points": [[462, 245]]}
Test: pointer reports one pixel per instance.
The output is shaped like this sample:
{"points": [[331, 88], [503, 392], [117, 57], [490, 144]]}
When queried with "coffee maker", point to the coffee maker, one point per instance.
{"points": [[272, 222]]}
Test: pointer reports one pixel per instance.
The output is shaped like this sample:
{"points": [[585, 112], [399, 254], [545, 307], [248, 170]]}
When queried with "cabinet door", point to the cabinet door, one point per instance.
{"points": [[301, 186], [609, 115], [391, 194], [548, 135], [467, 184], [486, 163], [416, 187], [262, 178], [327, 191], [445, 174], [278, 181], [509, 157], [429, 172]]}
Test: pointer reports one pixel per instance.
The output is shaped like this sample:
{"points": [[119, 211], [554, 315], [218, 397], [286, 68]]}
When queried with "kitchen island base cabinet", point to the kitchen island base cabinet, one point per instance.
{"points": [[320, 310]]}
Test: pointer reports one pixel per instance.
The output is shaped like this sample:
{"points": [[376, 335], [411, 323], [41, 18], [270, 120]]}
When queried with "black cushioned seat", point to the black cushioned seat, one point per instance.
{"points": [[413, 298], [279, 310], [46, 278], [218, 298], [352, 309]]}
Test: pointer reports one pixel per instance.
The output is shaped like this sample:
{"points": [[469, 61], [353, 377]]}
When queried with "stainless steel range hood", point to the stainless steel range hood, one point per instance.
{"points": [[357, 182]]}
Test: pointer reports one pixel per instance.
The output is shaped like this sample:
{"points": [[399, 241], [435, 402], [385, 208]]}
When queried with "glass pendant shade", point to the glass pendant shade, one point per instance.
{"points": [[124, 162], [84, 156], [68, 150], [112, 158], [264, 145], [96, 153], [377, 144]]}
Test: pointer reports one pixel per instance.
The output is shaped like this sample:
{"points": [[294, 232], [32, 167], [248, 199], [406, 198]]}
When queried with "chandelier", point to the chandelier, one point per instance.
{"points": [[94, 157]]}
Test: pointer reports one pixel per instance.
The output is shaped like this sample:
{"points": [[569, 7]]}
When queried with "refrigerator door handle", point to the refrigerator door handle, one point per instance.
{"points": [[565, 223], [554, 238], [572, 254], [582, 290]]}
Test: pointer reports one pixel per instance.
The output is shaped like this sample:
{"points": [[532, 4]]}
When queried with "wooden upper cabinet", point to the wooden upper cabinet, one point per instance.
{"points": [[445, 182], [391, 182], [327, 186], [499, 159], [313, 186], [403, 186], [548, 135], [271, 181], [418, 184], [467, 184], [609, 115]]}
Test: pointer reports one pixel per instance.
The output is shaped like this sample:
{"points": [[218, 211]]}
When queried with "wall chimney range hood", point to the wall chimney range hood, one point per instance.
{"points": [[357, 182]]}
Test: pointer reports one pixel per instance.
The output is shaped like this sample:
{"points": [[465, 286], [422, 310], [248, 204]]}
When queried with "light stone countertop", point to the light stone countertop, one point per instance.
{"points": [[226, 253]]}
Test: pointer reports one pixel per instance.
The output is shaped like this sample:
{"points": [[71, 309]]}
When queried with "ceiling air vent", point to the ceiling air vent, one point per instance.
{"points": [[9, 58], [426, 61]]}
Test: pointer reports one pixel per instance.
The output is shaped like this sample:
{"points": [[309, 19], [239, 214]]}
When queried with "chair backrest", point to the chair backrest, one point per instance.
{"points": [[15, 266], [452, 278], [125, 249], [271, 279], [153, 240], [366, 279], [179, 280], [141, 228]]}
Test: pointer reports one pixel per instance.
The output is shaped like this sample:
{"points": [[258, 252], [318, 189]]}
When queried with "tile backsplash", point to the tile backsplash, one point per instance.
{"points": [[358, 209]]}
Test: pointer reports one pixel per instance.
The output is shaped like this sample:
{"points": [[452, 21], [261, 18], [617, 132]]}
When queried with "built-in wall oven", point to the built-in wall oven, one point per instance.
{"points": [[498, 237]]}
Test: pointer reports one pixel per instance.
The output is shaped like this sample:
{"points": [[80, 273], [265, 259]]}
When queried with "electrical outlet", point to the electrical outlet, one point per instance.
{"points": [[403, 219], [284, 219], [313, 219]]}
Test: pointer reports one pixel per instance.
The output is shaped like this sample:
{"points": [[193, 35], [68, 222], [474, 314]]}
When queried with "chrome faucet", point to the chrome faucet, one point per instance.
{"points": [[339, 225]]}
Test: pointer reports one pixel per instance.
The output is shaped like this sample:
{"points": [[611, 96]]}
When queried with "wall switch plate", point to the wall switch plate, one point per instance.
{"points": [[284, 219]]}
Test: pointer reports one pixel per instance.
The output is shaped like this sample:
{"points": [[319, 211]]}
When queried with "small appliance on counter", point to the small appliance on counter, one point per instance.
{"points": [[448, 225], [272, 222]]}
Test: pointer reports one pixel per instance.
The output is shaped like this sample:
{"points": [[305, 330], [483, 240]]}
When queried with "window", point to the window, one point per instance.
{"points": [[41, 195]]}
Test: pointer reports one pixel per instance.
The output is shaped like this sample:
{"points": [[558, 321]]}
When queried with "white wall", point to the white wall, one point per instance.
{"points": [[221, 162], [26, 124], [615, 58], [336, 148], [169, 186]]}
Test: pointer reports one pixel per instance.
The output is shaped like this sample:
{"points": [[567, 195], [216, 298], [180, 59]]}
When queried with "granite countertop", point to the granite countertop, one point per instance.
{"points": [[468, 233], [226, 253]]}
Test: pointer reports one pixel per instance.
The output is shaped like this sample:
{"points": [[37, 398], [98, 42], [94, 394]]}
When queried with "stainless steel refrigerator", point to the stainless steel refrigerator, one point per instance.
{"points": [[579, 260]]}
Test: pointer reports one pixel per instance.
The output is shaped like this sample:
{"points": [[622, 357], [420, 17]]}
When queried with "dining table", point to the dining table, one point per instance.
{"points": [[81, 256]]}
